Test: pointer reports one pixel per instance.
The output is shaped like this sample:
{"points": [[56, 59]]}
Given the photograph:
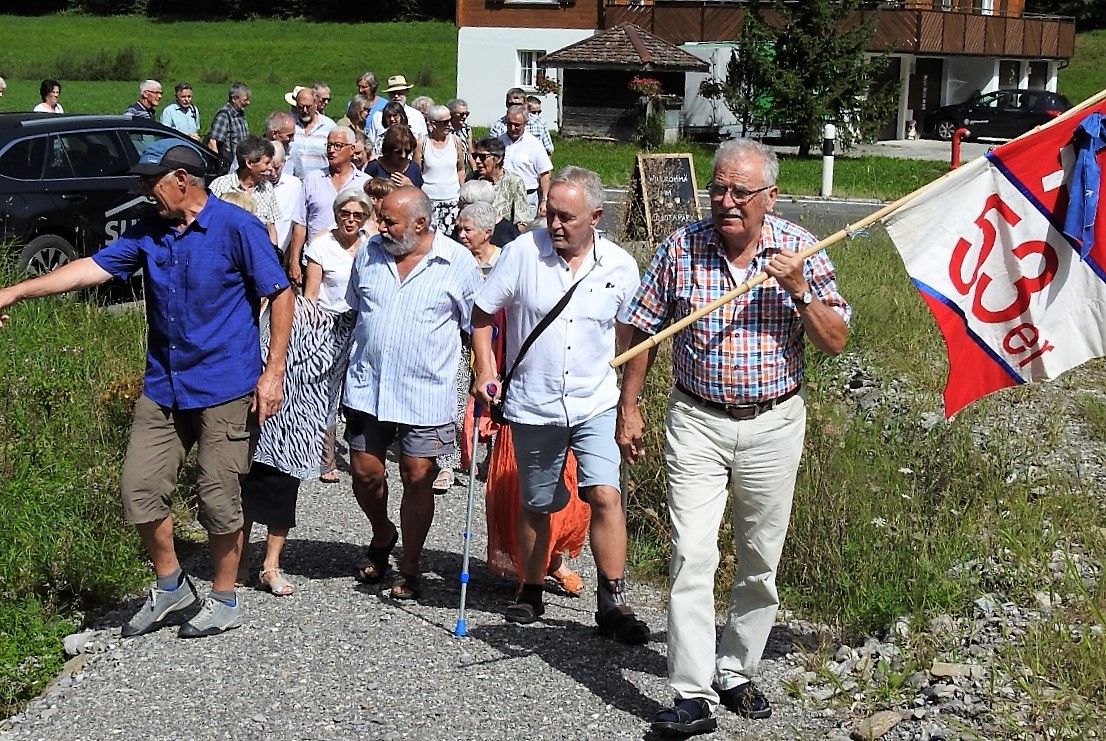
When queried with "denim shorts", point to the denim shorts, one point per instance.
{"points": [[540, 452]]}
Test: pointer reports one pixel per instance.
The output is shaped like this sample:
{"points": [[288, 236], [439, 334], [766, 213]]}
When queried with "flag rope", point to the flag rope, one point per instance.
{"points": [[848, 231]]}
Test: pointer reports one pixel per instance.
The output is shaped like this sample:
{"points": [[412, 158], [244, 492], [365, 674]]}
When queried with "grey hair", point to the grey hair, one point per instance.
{"points": [[147, 85], [518, 109], [586, 180], [422, 103], [739, 149], [437, 111], [348, 133], [476, 191], [238, 89], [278, 152], [318, 87], [456, 103], [481, 214], [362, 137], [275, 121], [197, 181], [369, 79], [352, 194]]}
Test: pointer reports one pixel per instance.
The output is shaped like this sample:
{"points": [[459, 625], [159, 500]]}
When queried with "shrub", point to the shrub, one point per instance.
{"points": [[106, 64]]}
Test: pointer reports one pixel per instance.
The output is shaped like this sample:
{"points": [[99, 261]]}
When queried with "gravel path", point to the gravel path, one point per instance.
{"points": [[339, 661]]}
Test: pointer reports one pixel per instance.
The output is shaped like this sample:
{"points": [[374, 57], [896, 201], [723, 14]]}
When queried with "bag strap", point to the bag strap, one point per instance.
{"points": [[542, 326]]}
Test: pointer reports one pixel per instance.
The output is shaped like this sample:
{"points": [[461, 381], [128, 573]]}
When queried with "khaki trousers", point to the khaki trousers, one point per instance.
{"points": [[707, 454]]}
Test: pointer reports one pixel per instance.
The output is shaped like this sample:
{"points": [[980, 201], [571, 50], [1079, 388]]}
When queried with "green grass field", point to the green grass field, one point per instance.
{"points": [[270, 56]]}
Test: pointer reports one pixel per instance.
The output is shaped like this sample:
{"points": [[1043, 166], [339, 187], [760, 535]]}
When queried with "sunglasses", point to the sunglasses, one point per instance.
{"points": [[404, 152], [481, 155], [358, 215]]}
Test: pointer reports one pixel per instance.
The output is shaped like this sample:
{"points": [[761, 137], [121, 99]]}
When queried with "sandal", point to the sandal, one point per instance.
{"points": [[405, 587], [523, 613], [567, 580], [687, 718], [444, 480], [331, 477], [278, 584], [375, 566]]}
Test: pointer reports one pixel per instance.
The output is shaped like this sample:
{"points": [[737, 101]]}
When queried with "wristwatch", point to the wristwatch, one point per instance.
{"points": [[803, 299]]}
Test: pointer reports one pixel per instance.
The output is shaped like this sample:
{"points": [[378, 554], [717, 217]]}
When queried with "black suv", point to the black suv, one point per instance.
{"points": [[1000, 115], [64, 187]]}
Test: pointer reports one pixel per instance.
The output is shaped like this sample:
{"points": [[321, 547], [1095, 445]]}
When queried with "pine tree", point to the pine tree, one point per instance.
{"points": [[809, 68]]}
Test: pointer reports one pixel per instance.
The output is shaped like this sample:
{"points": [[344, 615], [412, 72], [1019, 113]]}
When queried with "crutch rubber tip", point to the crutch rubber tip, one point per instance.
{"points": [[460, 629]]}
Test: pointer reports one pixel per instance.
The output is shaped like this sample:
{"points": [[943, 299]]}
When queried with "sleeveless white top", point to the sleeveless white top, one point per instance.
{"points": [[439, 170]]}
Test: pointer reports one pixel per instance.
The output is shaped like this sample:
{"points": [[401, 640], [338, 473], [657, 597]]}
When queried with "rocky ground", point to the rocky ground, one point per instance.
{"points": [[337, 660]]}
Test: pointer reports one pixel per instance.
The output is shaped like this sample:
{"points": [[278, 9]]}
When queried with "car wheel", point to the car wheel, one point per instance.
{"points": [[944, 129], [46, 253]]}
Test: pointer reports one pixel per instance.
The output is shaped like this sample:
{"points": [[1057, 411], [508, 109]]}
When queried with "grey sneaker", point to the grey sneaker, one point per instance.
{"points": [[214, 617], [160, 603]]}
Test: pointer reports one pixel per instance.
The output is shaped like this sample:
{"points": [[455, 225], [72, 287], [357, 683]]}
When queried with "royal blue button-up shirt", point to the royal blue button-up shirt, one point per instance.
{"points": [[203, 288]]}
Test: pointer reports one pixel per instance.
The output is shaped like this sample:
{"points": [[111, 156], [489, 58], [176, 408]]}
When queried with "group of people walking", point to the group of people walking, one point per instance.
{"points": [[396, 312]]}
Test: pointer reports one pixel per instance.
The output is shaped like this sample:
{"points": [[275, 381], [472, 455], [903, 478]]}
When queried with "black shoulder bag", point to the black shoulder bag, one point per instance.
{"points": [[495, 409]]}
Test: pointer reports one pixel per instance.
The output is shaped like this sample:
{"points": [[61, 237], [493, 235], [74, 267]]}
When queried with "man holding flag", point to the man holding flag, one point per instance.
{"points": [[736, 419]]}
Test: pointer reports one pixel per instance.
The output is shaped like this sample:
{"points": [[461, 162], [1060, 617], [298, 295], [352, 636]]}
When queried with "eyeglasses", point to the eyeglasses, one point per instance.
{"points": [[462, 115], [356, 215], [338, 145], [404, 152], [739, 195], [439, 120], [481, 155]]}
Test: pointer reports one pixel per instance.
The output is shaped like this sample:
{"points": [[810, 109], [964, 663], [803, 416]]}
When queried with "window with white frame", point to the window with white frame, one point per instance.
{"points": [[528, 69]]}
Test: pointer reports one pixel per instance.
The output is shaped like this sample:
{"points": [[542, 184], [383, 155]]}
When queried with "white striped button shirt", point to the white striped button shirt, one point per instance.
{"points": [[407, 340]]}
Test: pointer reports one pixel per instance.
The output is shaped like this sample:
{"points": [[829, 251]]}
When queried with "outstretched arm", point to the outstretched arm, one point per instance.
{"points": [[73, 276]]}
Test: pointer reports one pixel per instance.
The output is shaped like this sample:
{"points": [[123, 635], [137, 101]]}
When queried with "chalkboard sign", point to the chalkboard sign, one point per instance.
{"points": [[664, 195]]}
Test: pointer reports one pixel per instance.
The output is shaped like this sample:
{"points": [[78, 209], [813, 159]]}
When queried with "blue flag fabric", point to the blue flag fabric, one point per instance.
{"points": [[1089, 137]]}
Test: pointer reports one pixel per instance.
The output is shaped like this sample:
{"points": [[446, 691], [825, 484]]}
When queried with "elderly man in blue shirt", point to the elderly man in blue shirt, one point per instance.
{"points": [[206, 267], [412, 289]]}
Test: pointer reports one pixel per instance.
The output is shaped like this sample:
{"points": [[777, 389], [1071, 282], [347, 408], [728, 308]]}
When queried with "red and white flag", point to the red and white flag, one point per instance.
{"points": [[1016, 299]]}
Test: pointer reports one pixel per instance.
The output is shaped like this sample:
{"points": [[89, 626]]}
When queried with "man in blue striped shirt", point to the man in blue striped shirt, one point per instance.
{"points": [[412, 289]]}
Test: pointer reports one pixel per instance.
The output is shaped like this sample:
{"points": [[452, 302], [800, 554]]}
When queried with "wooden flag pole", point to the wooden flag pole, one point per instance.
{"points": [[837, 236]]}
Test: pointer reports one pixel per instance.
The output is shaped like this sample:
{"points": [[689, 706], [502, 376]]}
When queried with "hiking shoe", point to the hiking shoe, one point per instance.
{"points": [[746, 700], [214, 617], [159, 604]]}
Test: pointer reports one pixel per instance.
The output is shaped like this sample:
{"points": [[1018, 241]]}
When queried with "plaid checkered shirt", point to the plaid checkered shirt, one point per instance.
{"points": [[749, 350]]}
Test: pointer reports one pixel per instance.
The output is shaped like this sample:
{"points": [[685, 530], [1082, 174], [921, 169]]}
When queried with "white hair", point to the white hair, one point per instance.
{"points": [[148, 85]]}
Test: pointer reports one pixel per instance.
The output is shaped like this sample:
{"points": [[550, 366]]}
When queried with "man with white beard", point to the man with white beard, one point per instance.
{"points": [[412, 289]]}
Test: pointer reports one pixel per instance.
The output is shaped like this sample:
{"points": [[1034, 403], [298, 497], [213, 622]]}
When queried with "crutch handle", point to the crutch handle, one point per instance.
{"points": [[477, 406]]}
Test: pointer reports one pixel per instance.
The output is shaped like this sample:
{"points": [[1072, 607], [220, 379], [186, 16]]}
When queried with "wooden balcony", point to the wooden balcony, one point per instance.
{"points": [[903, 29]]}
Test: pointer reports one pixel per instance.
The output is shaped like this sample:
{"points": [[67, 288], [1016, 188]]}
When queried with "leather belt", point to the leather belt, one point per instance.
{"points": [[739, 411]]}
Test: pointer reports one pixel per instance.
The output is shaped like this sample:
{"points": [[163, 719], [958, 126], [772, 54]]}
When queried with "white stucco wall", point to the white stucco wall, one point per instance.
{"points": [[487, 65], [699, 111]]}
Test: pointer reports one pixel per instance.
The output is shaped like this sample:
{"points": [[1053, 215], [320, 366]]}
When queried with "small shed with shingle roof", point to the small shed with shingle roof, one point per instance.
{"points": [[596, 73]]}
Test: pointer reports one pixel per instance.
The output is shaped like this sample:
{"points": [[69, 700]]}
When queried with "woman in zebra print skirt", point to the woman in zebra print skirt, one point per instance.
{"points": [[290, 447]]}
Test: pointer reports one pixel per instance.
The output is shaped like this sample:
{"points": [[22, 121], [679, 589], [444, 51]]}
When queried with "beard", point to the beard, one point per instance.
{"points": [[403, 247]]}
